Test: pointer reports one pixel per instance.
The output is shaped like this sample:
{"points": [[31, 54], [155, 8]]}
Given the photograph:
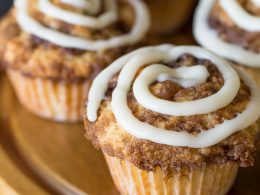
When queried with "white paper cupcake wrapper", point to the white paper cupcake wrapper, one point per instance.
{"points": [[211, 180], [54, 100]]}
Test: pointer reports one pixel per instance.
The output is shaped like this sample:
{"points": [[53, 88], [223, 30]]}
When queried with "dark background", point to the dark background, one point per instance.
{"points": [[4, 6]]}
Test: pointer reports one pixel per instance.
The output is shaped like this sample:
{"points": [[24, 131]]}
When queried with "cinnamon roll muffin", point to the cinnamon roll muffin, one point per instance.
{"points": [[231, 29], [173, 120], [169, 15], [63, 44]]}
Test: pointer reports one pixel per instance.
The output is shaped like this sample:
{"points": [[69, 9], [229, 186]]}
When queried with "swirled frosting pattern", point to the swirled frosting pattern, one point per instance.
{"points": [[148, 58], [99, 22], [210, 39], [90, 6], [240, 16]]}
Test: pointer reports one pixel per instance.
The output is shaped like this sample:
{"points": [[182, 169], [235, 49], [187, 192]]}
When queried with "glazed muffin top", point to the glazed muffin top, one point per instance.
{"points": [[232, 25], [164, 113], [73, 40]]}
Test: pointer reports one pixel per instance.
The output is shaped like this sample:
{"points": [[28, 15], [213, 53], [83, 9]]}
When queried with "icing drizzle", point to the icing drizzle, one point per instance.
{"points": [[30, 25], [90, 6], [210, 39], [185, 76], [240, 16], [99, 22]]}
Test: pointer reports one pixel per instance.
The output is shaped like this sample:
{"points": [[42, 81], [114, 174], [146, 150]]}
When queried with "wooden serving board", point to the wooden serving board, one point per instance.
{"points": [[42, 157]]}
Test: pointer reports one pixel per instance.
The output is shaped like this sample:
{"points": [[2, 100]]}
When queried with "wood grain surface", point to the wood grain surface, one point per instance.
{"points": [[42, 157]]}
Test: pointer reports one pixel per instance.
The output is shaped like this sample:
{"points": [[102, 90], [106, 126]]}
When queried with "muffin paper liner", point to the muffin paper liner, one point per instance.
{"points": [[210, 180], [50, 99]]}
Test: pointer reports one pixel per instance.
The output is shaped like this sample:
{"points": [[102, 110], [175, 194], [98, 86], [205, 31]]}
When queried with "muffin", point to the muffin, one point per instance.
{"points": [[62, 45], [231, 29], [169, 15], [173, 120]]}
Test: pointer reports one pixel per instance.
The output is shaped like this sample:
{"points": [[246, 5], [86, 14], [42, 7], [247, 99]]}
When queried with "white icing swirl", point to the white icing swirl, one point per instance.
{"points": [[185, 76], [91, 6], [105, 19], [210, 39], [30, 25], [240, 16]]}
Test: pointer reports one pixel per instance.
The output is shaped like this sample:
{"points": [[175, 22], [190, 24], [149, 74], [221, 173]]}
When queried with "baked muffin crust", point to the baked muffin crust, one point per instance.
{"points": [[230, 32], [35, 57], [106, 134]]}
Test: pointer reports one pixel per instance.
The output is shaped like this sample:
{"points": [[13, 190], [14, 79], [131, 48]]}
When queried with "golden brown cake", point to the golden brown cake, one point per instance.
{"points": [[61, 45], [169, 15], [181, 122], [231, 29]]}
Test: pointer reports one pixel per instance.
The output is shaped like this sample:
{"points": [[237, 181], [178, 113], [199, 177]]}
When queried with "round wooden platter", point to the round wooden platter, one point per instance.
{"points": [[42, 157]]}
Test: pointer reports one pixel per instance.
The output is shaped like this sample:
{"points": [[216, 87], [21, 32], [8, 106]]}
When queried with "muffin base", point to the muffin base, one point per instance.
{"points": [[213, 179], [55, 100], [169, 15]]}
